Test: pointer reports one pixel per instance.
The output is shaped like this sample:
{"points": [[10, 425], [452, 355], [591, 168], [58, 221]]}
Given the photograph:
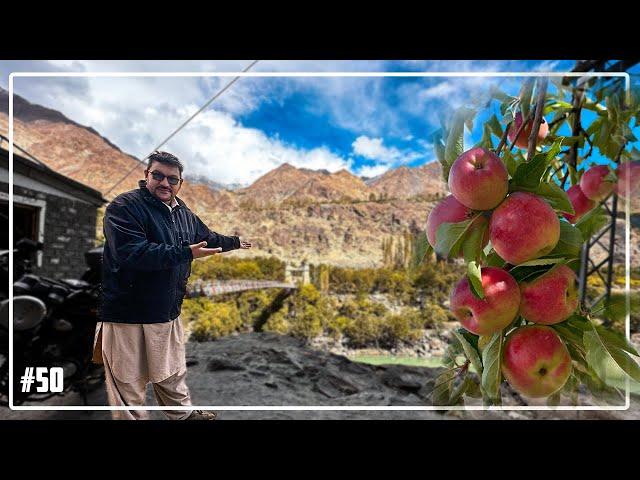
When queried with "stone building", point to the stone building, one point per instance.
{"points": [[51, 208]]}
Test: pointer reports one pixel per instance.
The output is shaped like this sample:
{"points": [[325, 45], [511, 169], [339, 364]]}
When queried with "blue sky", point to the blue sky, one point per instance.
{"points": [[366, 125]]}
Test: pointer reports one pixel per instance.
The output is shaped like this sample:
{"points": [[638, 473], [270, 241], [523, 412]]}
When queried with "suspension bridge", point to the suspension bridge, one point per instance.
{"points": [[211, 288]]}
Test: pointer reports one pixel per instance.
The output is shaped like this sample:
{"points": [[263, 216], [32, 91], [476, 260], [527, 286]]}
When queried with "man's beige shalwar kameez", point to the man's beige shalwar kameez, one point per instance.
{"points": [[136, 354]]}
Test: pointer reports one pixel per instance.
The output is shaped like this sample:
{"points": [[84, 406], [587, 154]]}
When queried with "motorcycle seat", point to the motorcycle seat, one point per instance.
{"points": [[75, 283]]}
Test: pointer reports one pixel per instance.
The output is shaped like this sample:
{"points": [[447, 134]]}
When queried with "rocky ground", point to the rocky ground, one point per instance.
{"points": [[275, 370]]}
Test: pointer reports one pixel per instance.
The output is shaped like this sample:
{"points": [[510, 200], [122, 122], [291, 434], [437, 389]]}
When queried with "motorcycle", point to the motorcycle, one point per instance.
{"points": [[53, 325]]}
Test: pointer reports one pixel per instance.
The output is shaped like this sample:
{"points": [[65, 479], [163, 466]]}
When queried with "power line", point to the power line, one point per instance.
{"points": [[33, 157], [184, 124]]}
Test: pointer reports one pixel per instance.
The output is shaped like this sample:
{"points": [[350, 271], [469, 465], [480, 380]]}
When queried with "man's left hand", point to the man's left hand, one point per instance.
{"points": [[244, 244]]}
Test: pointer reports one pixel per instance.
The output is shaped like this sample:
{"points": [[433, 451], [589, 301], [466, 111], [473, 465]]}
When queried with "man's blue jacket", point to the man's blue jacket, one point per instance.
{"points": [[147, 259]]}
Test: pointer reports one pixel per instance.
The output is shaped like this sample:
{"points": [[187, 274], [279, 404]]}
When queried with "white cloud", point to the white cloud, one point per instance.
{"points": [[220, 148], [137, 113], [385, 157], [372, 171], [373, 149]]}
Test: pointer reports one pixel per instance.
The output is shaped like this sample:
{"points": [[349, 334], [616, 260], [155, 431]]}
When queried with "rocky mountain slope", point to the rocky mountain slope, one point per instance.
{"points": [[291, 212], [294, 213]]}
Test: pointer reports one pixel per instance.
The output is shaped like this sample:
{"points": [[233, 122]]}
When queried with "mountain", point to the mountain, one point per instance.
{"points": [[276, 185], [293, 213], [406, 182], [81, 153]]}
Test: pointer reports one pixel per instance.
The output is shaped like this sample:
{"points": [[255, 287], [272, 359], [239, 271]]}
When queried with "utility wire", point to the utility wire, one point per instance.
{"points": [[184, 124], [15, 145]]}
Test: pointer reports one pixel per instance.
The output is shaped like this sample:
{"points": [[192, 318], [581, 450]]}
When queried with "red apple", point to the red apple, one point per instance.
{"points": [[492, 313], [523, 138], [536, 362], [581, 204], [551, 298], [450, 210], [593, 183], [478, 179], [628, 180], [523, 227]]}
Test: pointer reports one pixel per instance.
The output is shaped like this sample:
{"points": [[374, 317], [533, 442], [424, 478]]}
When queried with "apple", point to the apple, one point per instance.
{"points": [[551, 298], [581, 204], [594, 185], [450, 210], [523, 227], [628, 180], [536, 362], [478, 179], [523, 138], [492, 313]]}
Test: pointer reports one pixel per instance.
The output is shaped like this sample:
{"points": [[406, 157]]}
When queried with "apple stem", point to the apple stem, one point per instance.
{"points": [[537, 119], [503, 140]]}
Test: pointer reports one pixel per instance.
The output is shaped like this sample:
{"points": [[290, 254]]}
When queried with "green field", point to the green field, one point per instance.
{"points": [[396, 360], [615, 378]]}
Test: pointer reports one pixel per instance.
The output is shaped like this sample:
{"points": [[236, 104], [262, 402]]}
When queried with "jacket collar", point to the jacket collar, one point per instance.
{"points": [[151, 198]]}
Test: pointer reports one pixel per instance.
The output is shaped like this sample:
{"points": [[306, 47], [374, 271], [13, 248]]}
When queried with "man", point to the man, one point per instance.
{"points": [[151, 237]]}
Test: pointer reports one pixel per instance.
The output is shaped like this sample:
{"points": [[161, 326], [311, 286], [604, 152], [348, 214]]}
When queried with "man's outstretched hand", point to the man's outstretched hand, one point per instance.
{"points": [[244, 244], [199, 250]]}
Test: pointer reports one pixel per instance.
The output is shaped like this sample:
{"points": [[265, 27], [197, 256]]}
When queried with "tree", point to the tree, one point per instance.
{"points": [[548, 164]]}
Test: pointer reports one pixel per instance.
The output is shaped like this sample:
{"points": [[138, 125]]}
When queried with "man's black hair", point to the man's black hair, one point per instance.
{"points": [[166, 158]]}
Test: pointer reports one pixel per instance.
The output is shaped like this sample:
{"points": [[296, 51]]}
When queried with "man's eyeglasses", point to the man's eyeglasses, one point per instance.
{"points": [[159, 176]]}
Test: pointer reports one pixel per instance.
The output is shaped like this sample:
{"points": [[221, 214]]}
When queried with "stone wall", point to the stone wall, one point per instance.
{"points": [[69, 231]]}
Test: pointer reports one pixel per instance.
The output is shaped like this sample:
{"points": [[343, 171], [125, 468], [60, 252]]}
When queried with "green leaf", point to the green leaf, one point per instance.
{"points": [[470, 352], [527, 90], [442, 387], [529, 273], [616, 339], [473, 389], [534, 268], [468, 122], [494, 260], [634, 154], [472, 243], [570, 242], [594, 127], [540, 261], [439, 150], [494, 126], [510, 162], [570, 335], [485, 141], [601, 355], [554, 400], [455, 398], [499, 94], [579, 322], [570, 388], [528, 174], [615, 307], [611, 176], [563, 104], [592, 222], [492, 373], [450, 236], [455, 139], [556, 197], [421, 250], [475, 280]]}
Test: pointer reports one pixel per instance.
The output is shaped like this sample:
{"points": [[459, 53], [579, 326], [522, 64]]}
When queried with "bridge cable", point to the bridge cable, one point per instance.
{"points": [[184, 124]]}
